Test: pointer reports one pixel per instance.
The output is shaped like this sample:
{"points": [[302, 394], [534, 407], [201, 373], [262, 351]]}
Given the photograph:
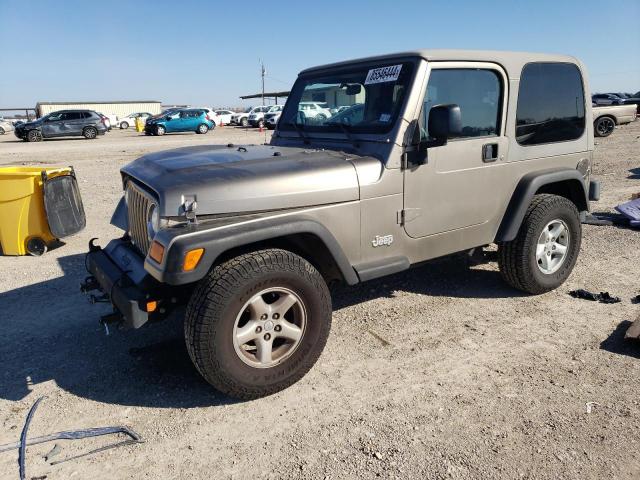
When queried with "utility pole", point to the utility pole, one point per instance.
{"points": [[262, 73]]}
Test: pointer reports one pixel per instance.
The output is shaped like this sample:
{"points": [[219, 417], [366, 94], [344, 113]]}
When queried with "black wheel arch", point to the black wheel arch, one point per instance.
{"points": [[304, 236], [564, 182], [615, 120]]}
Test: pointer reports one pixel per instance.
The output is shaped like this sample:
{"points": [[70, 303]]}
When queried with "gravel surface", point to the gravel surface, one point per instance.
{"points": [[439, 372]]}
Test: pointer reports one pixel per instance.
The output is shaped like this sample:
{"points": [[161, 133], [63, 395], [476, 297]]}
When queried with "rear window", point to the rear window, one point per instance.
{"points": [[550, 104]]}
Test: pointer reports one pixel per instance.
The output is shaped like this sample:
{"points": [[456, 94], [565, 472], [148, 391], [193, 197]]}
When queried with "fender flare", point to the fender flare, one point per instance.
{"points": [[527, 187], [218, 240]]}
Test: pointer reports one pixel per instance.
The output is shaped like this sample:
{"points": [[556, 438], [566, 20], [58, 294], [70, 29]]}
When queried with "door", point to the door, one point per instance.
{"points": [[454, 189], [74, 123], [53, 125]]}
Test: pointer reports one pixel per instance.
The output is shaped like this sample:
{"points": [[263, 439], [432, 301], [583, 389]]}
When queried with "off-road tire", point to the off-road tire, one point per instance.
{"points": [[604, 126], [244, 122], [90, 133], [219, 297], [517, 258], [34, 136], [124, 126]]}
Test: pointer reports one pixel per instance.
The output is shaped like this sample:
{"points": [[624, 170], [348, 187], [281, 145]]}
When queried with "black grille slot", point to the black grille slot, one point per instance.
{"points": [[138, 205]]}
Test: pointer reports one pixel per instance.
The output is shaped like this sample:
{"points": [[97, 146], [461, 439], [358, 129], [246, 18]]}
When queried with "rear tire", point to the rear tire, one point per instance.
{"points": [[202, 129], [244, 352], [604, 126], [90, 133], [34, 136], [532, 264], [124, 126]]}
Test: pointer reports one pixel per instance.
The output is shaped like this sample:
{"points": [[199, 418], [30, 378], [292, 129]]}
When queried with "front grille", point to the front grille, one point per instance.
{"points": [[138, 204]]}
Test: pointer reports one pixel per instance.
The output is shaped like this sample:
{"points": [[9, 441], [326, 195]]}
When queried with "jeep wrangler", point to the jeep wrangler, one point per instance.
{"points": [[421, 154]]}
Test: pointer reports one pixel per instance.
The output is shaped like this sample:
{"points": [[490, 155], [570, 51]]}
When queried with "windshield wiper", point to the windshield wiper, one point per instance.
{"points": [[346, 130]]}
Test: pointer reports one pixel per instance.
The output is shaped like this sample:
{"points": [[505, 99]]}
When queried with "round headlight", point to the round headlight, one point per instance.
{"points": [[153, 221]]}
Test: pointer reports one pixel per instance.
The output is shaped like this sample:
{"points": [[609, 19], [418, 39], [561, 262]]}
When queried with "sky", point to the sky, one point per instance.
{"points": [[208, 53]]}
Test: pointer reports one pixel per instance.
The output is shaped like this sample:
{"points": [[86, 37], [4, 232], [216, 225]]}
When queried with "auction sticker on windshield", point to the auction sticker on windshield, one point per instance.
{"points": [[384, 74]]}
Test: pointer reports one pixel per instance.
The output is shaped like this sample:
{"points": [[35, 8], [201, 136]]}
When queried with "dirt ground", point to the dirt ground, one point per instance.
{"points": [[471, 379]]}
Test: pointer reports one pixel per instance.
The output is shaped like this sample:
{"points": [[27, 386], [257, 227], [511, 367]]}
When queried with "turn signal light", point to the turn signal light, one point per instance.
{"points": [[192, 258], [156, 252], [151, 306]]}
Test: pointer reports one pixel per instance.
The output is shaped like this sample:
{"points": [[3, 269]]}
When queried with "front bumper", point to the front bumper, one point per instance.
{"points": [[119, 272]]}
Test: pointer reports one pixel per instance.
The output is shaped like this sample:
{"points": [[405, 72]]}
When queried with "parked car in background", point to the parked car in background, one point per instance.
{"points": [[256, 117], [188, 120], [606, 118], [223, 116], [63, 123], [315, 110], [272, 116], [130, 120], [242, 118], [5, 126], [607, 99]]}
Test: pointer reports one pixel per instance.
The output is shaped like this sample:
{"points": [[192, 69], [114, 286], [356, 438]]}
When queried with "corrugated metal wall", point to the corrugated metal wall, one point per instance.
{"points": [[115, 108]]}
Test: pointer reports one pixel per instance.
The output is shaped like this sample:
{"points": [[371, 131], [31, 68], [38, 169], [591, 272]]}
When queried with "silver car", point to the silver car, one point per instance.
{"points": [[5, 126]]}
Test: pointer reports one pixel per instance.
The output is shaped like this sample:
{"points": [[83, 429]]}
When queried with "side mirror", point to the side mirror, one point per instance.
{"points": [[445, 121]]}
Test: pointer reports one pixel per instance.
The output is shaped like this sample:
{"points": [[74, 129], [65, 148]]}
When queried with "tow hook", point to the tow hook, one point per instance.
{"points": [[114, 318]]}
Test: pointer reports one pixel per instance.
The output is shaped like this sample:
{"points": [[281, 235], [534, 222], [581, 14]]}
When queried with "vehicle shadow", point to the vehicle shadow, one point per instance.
{"points": [[452, 276], [616, 343], [635, 173], [51, 333]]}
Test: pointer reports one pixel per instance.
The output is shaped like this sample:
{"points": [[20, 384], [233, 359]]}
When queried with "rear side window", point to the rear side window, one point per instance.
{"points": [[550, 104]]}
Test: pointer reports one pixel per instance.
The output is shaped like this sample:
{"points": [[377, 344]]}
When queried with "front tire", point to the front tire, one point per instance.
{"points": [[257, 323], [90, 133], [546, 248], [244, 122], [34, 136], [124, 126], [604, 127], [160, 130]]}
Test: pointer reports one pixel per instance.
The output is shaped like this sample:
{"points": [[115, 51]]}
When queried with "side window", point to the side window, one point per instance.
{"points": [[550, 104], [477, 92]]}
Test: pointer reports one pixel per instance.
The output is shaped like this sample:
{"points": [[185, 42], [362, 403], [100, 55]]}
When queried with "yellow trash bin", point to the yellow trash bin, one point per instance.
{"points": [[25, 226], [139, 125]]}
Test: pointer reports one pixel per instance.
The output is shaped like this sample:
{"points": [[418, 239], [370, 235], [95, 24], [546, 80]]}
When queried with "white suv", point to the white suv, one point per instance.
{"points": [[316, 110], [272, 116], [256, 117]]}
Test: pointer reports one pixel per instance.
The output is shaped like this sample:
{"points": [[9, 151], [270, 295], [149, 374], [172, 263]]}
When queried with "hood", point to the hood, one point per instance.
{"points": [[233, 179]]}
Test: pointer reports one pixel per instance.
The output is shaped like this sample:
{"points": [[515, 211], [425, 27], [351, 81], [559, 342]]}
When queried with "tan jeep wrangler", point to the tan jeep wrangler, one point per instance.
{"points": [[416, 155]]}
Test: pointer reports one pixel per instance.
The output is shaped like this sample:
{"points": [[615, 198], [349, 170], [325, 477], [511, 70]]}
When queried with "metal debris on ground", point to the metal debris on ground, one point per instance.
{"points": [[589, 406], [602, 297], [65, 435]]}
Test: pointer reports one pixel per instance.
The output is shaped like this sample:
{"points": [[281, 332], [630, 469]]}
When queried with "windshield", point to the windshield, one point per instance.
{"points": [[365, 99]]}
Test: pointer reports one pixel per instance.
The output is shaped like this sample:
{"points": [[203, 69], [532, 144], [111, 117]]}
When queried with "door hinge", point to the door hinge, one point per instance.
{"points": [[408, 214]]}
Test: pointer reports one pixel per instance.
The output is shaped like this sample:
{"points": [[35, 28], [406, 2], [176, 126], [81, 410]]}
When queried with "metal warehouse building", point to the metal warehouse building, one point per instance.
{"points": [[120, 109]]}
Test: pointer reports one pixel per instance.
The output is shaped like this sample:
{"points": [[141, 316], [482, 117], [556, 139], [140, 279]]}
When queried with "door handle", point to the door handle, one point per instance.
{"points": [[489, 152]]}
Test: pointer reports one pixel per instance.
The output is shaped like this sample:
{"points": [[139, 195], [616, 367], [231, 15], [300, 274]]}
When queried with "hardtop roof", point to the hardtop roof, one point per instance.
{"points": [[512, 61]]}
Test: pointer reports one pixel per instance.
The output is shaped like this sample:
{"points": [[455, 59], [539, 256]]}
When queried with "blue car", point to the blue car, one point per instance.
{"points": [[188, 120]]}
